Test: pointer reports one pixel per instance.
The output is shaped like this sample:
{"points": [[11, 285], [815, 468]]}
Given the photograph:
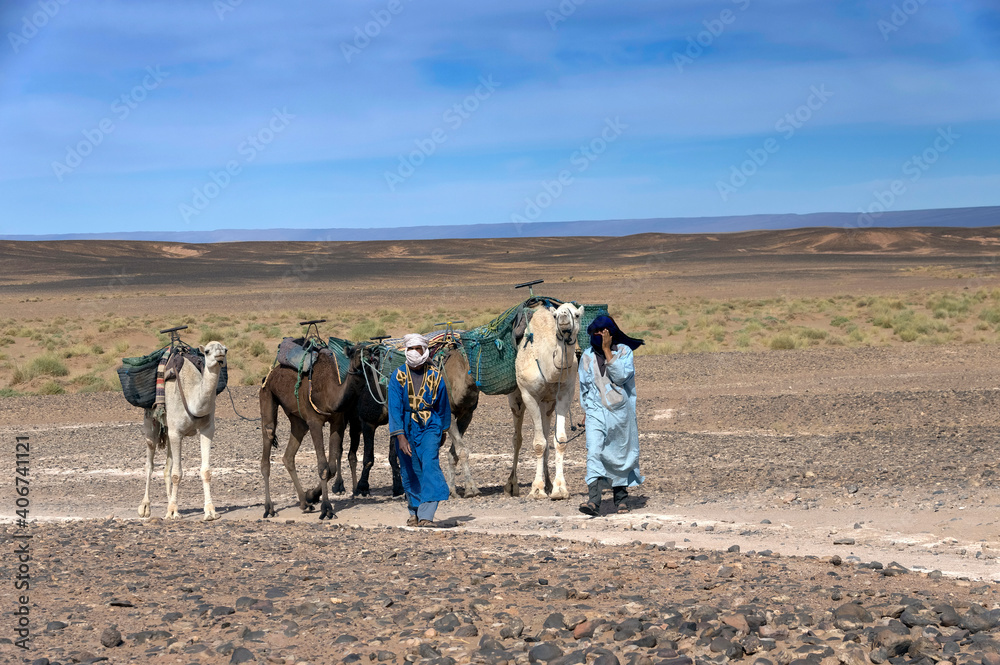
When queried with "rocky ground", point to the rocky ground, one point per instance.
{"points": [[130, 591], [815, 506]]}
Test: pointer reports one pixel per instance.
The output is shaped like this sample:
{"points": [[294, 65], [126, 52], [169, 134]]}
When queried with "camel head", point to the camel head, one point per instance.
{"points": [[355, 352], [567, 317], [215, 354]]}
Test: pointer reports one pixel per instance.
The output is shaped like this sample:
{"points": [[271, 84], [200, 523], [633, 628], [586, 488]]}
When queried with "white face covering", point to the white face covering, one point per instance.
{"points": [[417, 356]]}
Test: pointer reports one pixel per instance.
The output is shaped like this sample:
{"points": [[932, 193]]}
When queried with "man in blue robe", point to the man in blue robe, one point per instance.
{"points": [[419, 416], [607, 396]]}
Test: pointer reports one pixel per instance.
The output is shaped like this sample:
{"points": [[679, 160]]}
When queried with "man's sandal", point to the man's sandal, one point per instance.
{"points": [[412, 520], [590, 508], [428, 524], [623, 509]]}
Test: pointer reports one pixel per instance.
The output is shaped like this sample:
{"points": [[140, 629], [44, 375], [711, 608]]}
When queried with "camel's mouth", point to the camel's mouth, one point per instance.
{"points": [[567, 335]]}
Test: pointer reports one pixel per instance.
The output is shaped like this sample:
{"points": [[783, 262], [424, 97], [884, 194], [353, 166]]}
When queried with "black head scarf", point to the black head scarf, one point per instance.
{"points": [[617, 336]]}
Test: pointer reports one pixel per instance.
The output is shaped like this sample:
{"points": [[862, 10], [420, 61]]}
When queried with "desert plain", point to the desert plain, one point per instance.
{"points": [[816, 412]]}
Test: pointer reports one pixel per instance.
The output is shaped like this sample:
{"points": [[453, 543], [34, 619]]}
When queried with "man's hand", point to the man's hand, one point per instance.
{"points": [[404, 445], [606, 343]]}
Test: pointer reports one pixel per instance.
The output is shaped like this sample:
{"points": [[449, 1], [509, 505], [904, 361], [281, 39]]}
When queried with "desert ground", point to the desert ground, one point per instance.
{"points": [[816, 416]]}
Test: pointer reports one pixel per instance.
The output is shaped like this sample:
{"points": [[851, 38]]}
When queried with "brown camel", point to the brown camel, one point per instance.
{"points": [[321, 399]]}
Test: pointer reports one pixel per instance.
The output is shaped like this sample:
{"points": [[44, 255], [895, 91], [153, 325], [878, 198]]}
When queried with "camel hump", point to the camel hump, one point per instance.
{"points": [[176, 362], [521, 321], [542, 321]]}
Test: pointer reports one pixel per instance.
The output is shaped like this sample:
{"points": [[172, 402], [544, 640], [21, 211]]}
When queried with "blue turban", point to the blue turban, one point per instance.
{"points": [[604, 321]]}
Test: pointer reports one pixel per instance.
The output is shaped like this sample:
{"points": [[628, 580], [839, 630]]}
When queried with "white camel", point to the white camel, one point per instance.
{"points": [[546, 380], [190, 410]]}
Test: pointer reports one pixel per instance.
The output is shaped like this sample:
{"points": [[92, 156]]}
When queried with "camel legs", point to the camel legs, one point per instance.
{"points": [[337, 427], [316, 432], [542, 419], [150, 429], [173, 473], [298, 430], [559, 489], [352, 455], [207, 434], [448, 465], [144, 506], [268, 422], [265, 469], [517, 412], [397, 479], [458, 460], [367, 459]]}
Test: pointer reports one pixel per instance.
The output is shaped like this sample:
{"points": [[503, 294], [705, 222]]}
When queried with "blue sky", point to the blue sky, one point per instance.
{"points": [[211, 114]]}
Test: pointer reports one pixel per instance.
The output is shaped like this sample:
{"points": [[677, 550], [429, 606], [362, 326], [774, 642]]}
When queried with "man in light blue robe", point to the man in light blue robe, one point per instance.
{"points": [[607, 396], [419, 415]]}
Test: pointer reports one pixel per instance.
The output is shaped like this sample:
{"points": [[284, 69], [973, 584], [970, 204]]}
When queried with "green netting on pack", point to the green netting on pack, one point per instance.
{"points": [[389, 361], [590, 312], [138, 378], [143, 361], [491, 351], [338, 347]]}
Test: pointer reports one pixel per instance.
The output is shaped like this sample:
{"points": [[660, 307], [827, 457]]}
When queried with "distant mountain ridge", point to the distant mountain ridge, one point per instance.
{"points": [[947, 217]]}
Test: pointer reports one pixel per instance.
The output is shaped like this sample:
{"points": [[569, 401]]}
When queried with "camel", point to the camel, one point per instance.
{"points": [[190, 409], [321, 399], [546, 380], [370, 410]]}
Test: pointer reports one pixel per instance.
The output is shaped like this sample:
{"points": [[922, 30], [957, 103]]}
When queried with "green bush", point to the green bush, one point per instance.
{"points": [[210, 335], [258, 349], [782, 342], [813, 333], [51, 388], [366, 329], [839, 321], [990, 315], [47, 365]]}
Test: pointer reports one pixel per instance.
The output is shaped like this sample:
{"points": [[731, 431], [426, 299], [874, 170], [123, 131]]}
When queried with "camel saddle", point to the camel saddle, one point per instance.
{"points": [[298, 353], [176, 360]]}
